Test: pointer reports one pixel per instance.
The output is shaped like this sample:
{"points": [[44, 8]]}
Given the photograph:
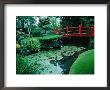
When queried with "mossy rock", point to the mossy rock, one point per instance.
{"points": [[84, 64]]}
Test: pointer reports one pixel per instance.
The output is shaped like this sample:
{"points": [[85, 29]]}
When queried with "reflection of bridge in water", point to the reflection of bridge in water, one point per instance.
{"points": [[79, 31]]}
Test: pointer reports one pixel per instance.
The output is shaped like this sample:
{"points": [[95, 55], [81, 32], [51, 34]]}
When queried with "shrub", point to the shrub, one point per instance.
{"points": [[21, 67], [30, 45], [84, 64]]}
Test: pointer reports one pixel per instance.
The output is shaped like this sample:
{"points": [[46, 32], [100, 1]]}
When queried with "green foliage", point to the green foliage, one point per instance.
{"points": [[21, 66], [69, 50], [55, 22], [39, 63], [35, 64], [47, 27], [25, 21], [50, 37], [77, 20], [19, 36], [36, 32], [70, 21], [51, 41], [84, 64], [30, 45], [49, 23], [87, 21], [43, 21], [25, 24], [91, 43]]}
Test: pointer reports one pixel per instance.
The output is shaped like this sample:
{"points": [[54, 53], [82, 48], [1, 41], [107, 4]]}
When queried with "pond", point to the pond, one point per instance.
{"points": [[52, 61]]}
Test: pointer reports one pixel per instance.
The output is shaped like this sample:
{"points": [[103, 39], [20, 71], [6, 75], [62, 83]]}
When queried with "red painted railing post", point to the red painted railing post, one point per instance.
{"points": [[67, 29], [80, 30], [92, 31]]}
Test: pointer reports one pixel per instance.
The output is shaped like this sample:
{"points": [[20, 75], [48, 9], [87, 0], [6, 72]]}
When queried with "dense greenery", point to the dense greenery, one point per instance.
{"points": [[29, 45], [77, 20], [39, 25], [41, 48], [35, 65]]}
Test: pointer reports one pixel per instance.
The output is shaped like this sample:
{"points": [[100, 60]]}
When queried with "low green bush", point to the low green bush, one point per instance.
{"points": [[23, 67], [29, 45], [84, 64]]}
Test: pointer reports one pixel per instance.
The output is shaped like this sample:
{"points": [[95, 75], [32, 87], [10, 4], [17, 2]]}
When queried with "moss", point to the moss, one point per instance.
{"points": [[84, 64]]}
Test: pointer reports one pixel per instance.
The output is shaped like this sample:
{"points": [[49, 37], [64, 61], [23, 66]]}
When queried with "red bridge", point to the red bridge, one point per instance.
{"points": [[79, 31]]}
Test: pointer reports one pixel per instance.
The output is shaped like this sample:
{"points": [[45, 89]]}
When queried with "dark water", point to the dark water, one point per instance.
{"points": [[66, 62]]}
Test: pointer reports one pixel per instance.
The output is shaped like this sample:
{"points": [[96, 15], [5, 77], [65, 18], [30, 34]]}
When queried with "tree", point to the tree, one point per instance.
{"points": [[76, 20], [49, 23], [87, 20], [25, 23], [55, 22]]}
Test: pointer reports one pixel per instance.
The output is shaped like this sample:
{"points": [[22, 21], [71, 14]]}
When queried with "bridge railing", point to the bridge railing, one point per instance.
{"points": [[80, 31]]}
